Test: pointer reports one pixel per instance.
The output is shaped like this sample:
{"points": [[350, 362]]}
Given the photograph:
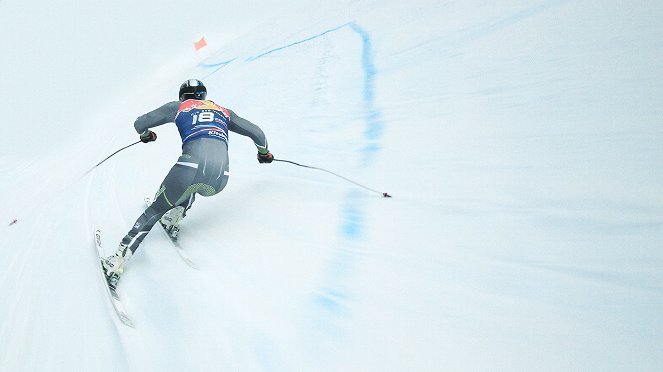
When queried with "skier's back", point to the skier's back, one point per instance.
{"points": [[201, 169]]}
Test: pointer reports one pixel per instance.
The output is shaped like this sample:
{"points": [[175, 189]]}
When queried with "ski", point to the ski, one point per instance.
{"points": [[181, 251], [112, 292]]}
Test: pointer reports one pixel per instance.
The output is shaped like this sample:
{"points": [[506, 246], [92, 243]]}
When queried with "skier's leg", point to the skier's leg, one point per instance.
{"points": [[114, 265], [174, 185], [205, 172]]}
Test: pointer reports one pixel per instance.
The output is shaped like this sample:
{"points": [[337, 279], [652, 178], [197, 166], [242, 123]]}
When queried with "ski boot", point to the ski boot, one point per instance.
{"points": [[114, 265], [171, 221]]}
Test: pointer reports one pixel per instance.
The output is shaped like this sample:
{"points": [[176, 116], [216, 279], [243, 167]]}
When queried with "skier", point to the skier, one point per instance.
{"points": [[201, 169]]}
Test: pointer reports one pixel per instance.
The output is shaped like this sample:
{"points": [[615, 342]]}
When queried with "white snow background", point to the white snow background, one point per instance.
{"points": [[522, 142]]}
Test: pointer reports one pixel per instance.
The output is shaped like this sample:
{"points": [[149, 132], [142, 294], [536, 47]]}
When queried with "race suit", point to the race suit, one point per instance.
{"points": [[203, 166]]}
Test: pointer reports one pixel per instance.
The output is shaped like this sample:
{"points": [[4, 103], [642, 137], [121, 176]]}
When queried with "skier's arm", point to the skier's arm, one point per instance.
{"points": [[246, 128], [162, 115]]}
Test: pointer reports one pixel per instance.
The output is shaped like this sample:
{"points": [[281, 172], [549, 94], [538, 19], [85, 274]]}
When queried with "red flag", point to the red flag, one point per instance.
{"points": [[200, 44]]}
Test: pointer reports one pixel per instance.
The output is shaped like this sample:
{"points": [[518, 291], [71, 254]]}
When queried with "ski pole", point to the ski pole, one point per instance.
{"points": [[109, 156], [384, 194]]}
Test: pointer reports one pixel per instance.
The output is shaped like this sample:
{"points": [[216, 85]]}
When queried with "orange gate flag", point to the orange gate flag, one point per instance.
{"points": [[200, 44]]}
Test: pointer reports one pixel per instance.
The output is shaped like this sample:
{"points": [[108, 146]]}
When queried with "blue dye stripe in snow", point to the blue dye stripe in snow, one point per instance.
{"points": [[353, 219], [336, 286], [374, 125], [295, 43], [218, 66], [481, 30], [353, 216]]}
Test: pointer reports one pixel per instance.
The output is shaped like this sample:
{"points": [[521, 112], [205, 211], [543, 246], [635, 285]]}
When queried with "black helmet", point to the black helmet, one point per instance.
{"points": [[192, 89]]}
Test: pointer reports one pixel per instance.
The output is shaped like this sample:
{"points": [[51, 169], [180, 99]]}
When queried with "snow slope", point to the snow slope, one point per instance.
{"points": [[520, 140]]}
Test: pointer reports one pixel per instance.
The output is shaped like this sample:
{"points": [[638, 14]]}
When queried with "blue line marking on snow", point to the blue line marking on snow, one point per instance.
{"points": [[353, 216], [524, 14], [354, 221], [218, 66], [295, 43], [332, 302], [218, 63], [375, 127], [481, 30], [367, 62]]}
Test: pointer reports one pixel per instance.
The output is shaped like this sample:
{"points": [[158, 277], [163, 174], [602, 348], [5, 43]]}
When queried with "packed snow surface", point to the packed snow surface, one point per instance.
{"points": [[522, 142]]}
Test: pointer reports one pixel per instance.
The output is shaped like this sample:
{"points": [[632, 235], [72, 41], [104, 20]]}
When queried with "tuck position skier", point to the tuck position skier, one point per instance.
{"points": [[201, 169]]}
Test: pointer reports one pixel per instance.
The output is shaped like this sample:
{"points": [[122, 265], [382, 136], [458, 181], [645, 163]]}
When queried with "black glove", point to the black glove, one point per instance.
{"points": [[265, 158], [148, 136]]}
